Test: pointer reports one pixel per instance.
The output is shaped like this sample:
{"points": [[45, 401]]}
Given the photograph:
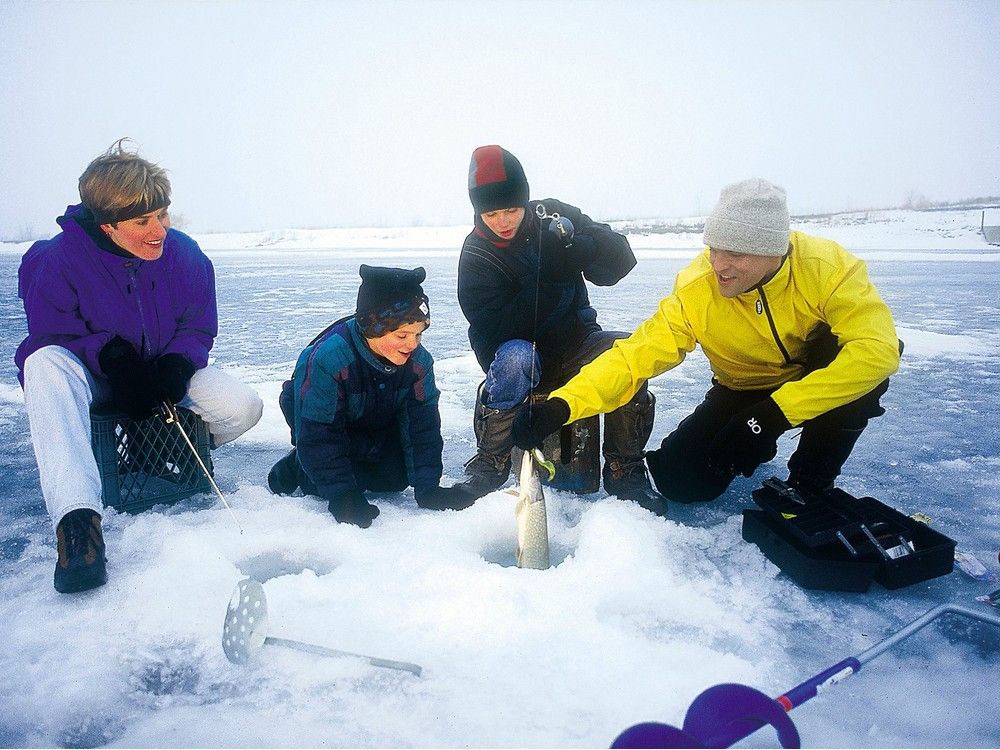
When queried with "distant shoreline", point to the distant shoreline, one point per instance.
{"points": [[889, 229]]}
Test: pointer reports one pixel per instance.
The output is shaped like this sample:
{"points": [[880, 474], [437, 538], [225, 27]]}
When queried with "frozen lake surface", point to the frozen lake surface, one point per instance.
{"points": [[636, 617]]}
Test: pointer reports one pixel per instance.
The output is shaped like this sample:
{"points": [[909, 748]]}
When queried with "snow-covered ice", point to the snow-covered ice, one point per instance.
{"points": [[634, 619]]}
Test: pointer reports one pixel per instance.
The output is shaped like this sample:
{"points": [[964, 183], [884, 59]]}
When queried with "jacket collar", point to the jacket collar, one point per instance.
{"points": [[781, 277], [80, 217], [363, 350]]}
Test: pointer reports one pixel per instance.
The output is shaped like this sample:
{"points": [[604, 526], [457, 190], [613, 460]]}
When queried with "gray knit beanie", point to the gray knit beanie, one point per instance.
{"points": [[751, 217]]}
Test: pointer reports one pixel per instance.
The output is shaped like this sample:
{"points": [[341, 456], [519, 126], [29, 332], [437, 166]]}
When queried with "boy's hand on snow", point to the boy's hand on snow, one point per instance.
{"points": [[748, 440], [535, 423], [351, 506], [133, 389]]}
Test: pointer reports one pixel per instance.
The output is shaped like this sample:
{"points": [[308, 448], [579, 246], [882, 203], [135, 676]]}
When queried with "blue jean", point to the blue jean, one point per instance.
{"points": [[515, 370]]}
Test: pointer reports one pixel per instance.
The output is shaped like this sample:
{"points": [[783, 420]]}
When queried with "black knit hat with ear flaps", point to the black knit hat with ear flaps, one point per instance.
{"points": [[390, 298]]}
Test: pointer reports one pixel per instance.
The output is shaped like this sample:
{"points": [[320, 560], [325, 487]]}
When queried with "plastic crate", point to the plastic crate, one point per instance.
{"points": [[836, 542], [148, 462]]}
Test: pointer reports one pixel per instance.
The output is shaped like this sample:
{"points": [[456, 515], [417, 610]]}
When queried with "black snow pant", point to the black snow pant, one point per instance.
{"points": [[388, 474], [680, 468]]}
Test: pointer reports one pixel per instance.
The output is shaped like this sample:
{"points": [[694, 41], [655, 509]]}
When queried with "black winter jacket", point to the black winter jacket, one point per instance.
{"points": [[497, 287]]}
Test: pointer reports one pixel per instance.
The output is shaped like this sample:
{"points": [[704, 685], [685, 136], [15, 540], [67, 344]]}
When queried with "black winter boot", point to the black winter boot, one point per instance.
{"points": [[626, 431], [489, 468], [80, 546], [629, 481], [816, 463], [283, 478]]}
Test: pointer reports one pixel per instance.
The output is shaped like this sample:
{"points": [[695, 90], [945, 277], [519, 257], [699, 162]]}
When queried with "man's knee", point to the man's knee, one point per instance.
{"points": [[683, 479]]}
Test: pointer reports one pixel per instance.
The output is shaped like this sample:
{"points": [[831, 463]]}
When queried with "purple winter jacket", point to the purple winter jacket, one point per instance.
{"points": [[78, 295]]}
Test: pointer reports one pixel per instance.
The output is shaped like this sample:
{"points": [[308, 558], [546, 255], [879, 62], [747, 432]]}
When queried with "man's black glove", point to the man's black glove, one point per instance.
{"points": [[173, 373], [443, 498], [352, 507], [748, 440], [561, 259], [533, 424], [133, 388]]}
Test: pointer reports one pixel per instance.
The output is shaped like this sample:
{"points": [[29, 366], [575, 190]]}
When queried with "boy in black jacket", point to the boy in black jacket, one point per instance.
{"points": [[521, 282]]}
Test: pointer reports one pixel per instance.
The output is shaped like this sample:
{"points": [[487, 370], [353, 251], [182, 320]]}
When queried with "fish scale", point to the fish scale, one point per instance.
{"points": [[532, 523]]}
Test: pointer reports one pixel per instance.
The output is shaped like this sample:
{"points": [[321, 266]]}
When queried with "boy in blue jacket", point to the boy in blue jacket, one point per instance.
{"points": [[363, 407]]}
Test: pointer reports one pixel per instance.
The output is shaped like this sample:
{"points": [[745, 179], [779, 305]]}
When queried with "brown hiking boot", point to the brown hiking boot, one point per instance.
{"points": [[80, 546]]}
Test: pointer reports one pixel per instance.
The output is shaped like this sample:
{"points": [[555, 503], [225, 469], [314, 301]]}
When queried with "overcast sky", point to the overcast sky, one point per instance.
{"points": [[316, 114]]}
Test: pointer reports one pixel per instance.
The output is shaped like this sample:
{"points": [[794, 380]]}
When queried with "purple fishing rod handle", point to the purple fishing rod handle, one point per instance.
{"points": [[815, 685]]}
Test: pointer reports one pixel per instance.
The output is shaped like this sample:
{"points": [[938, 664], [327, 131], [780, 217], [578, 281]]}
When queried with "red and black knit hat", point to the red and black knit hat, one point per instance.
{"points": [[496, 180]]}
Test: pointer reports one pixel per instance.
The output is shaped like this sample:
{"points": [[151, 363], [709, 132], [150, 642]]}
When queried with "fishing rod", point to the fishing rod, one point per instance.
{"points": [[562, 227], [169, 414]]}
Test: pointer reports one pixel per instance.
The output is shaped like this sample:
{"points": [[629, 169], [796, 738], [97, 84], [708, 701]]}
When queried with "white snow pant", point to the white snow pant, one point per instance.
{"points": [[58, 393]]}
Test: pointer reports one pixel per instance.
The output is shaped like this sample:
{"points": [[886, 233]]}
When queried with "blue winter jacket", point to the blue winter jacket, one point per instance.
{"points": [[348, 403], [79, 295]]}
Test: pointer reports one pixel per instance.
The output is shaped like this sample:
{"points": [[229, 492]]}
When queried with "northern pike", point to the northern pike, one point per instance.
{"points": [[532, 525]]}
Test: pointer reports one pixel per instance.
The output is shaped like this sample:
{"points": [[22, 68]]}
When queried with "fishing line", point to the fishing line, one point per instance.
{"points": [[540, 213]]}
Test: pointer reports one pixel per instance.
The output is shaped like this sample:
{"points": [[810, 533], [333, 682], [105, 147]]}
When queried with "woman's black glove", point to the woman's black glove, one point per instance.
{"points": [[443, 498], [133, 388], [748, 440], [532, 425], [173, 373], [352, 507]]}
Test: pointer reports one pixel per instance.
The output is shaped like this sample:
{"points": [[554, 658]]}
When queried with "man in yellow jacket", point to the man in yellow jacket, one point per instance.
{"points": [[796, 335]]}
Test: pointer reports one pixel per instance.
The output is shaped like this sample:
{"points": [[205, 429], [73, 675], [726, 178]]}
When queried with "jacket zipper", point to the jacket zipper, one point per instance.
{"points": [[774, 328], [132, 271]]}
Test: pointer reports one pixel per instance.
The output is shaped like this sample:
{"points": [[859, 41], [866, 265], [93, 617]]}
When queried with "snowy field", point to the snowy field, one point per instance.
{"points": [[636, 616]]}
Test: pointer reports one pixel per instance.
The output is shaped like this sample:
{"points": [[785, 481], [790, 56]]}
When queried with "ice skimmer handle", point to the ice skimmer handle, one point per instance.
{"points": [[309, 648]]}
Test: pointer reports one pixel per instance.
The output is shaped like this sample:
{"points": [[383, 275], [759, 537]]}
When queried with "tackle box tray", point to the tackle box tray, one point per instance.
{"points": [[836, 542]]}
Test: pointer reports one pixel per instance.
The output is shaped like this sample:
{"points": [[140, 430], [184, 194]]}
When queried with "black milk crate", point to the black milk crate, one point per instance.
{"points": [[835, 541], [147, 462]]}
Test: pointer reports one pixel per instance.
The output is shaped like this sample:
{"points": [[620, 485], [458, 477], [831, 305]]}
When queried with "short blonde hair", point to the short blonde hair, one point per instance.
{"points": [[120, 185]]}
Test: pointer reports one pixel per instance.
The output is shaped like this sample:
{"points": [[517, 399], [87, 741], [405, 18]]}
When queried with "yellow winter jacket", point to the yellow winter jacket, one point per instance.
{"points": [[757, 340]]}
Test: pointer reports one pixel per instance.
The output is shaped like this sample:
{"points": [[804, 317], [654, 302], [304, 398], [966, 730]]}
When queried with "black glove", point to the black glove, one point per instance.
{"points": [[560, 259], [173, 373], [133, 388], [352, 507], [443, 498], [748, 440], [535, 423]]}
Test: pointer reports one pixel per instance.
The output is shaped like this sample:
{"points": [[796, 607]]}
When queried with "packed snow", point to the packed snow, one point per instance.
{"points": [[637, 614]]}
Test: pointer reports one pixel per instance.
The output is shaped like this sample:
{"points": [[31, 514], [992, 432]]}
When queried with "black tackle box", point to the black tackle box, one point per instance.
{"points": [[834, 541]]}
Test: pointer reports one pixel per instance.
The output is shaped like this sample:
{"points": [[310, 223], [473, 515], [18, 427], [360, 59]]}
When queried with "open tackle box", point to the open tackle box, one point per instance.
{"points": [[837, 542]]}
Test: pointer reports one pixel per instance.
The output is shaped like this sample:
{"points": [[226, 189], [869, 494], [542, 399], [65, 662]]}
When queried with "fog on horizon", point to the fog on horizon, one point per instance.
{"points": [[321, 114]]}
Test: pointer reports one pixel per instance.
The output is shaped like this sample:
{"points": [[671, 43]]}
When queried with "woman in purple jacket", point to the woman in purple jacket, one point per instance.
{"points": [[121, 309]]}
